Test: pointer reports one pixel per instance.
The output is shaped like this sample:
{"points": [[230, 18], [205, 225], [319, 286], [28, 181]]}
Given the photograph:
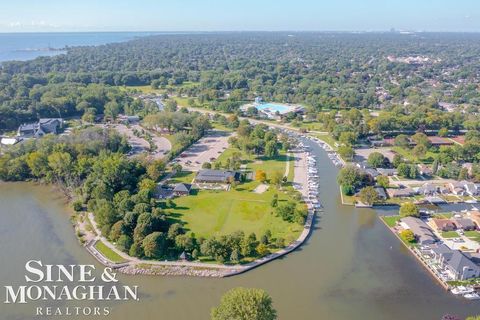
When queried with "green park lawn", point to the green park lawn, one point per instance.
{"points": [[450, 234], [269, 165], [108, 253], [208, 213], [391, 221]]}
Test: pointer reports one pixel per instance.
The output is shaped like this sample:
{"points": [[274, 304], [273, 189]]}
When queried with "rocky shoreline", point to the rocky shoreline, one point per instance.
{"points": [[153, 270]]}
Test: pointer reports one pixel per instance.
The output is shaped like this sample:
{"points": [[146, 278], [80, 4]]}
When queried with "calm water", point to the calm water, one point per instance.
{"points": [[25, 46], [350, 268]]}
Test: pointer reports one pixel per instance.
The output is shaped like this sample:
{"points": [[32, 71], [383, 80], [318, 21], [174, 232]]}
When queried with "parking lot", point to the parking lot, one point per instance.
{"points": [[363, 153], [207, 149]]}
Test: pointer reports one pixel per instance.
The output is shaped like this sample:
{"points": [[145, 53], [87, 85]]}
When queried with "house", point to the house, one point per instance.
{"points": [[381, 193], [457, 265], [374, 173], [439, 141], [425, 170], [475, 217], [471, 189], [465, 224], [444, 224], [423, 233], [400, 193], [41, 128], [387, 172], [428, 189], [216, 176], [129, 119], [182, 189], [457, 188]]}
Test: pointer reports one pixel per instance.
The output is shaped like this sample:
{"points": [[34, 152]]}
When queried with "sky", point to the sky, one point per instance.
{"points": [[239, 15]]}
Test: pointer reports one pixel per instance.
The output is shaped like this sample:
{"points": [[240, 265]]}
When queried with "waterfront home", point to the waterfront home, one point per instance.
{"points": [[400, 193], [444, 224], [182, 189], [428, 189], [423, 233], [465, 224], [456, 264], [382, 195], [374, 173], [40, 128], [216, 176]]}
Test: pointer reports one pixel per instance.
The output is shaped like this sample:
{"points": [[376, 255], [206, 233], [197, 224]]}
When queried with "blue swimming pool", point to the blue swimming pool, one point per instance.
{"points": [[273, 107]]}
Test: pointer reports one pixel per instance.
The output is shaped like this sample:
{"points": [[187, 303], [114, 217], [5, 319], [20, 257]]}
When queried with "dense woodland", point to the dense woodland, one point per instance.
{"points": [[321, 70]]}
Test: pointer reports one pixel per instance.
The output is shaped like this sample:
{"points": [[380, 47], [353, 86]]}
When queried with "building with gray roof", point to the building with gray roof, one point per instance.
{"points": [[457, 264], [216, 176], [423, 233]]}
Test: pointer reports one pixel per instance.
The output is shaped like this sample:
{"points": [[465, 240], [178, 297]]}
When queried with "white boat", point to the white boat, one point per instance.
{"points": [[461, 290], [471, 296]]}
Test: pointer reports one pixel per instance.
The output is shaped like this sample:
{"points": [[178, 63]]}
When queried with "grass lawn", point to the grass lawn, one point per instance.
{"points": [[474, 235], [108, 253], [183, 177], [269, 165], [450, 234], [391, 221], [211, 213], [208, 213], [407, 154]]}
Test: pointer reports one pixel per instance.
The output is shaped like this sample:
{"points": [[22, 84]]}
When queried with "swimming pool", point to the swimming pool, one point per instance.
{"points": [[273, 107]]}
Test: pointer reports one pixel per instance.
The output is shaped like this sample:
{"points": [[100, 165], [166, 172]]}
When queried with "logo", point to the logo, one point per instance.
{"points": [[70, 284]]}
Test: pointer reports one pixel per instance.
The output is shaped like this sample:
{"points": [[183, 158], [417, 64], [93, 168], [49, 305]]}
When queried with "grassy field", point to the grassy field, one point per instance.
{"points": [[391, 221], [207, 213], [407, 154], [211, 213], [259, 163], [108, 253]]}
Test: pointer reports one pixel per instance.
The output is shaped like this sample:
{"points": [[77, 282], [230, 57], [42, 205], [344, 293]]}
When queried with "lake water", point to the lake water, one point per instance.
{"points": [[26, 46], [351, 267]]}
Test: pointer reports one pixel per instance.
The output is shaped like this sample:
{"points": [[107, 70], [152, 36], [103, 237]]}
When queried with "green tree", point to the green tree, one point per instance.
{"points": [[155, 245], [245, 304], [409, 209], [346, 152], [408, 236], [271, 149], [350, 176], [383, 181], [368, 195], [376, 160]]}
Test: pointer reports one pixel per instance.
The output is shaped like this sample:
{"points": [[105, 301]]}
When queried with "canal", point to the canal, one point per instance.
{"points": [[351, 267]]}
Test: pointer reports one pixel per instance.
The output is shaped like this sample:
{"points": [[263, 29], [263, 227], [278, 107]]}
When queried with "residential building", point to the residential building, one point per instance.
{"points": [[457, 265], [216, 176], [182, 189], [444, 224], [40, 128], [428, 189], [423, 233], [465, 224], [400, 193], [381, 193]]}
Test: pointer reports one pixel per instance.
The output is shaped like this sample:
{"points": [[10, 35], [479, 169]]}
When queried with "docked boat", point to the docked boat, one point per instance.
{"points": [[461, 290], [472, 296]]}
